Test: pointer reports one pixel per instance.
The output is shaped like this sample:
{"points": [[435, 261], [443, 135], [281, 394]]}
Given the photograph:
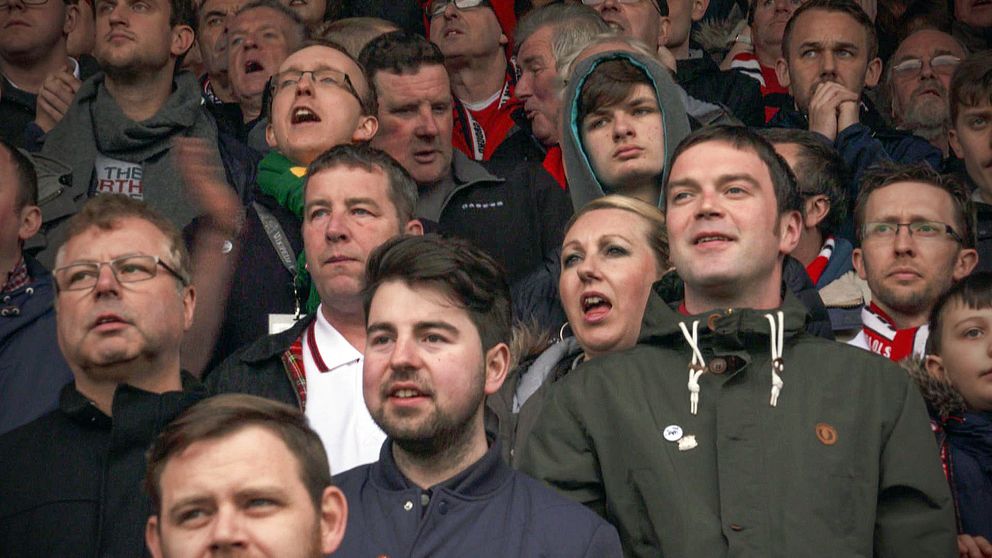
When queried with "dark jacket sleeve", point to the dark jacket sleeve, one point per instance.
{"points": [[560, 453], [915, 515], [860, 149], [554, 209], [605, 542]]}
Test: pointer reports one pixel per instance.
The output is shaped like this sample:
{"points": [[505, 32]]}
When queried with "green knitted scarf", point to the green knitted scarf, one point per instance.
{"points": [[283, 180]]}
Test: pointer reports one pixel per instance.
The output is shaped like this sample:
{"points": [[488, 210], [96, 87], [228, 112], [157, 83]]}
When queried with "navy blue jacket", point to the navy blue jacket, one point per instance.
{"points": [[488, 509], [32, 369], [969, 443]]}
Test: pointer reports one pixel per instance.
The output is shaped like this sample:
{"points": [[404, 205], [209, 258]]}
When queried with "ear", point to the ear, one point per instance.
{"points": [[782, 73], [71, 16], [664, 30], [189, 305], [952, 138], [182, 39], [414, 227], [367, 127], [816, 209], [699, 9], [857, 260], [30, 219], [152, 537], [935, 367], [503, 40], [873, 72], [333, 519], [790, 229], [497, 367], [964, 264]]}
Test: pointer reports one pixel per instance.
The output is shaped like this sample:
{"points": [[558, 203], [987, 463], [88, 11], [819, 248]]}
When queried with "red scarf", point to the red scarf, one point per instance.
{"points": [[819, 263], [883, 337], [555, 165]]}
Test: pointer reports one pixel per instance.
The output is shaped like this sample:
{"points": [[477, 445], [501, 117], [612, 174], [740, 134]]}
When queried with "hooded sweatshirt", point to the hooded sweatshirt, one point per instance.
{"points": [[583, 185]]}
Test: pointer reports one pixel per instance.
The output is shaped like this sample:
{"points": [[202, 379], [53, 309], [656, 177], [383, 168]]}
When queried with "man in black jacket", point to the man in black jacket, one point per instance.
{"points": [[71, 479]]}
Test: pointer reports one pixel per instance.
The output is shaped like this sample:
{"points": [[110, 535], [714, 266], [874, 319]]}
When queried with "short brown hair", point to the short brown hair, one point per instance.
{"points": [[610, 84], [971, 84], [223, 415], [106, 211], [466, 275], [849, 7], [887, 174], [657, 236]]}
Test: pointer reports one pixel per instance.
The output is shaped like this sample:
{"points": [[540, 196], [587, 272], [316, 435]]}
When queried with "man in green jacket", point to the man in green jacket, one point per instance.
{"points": [[728, 430]]}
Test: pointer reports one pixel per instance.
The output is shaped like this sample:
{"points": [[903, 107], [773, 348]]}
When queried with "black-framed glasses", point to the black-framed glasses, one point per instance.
{"points": [[83, 276], [324, 77], [5, 3], [927, 230], [940, 64], [437, 7]]}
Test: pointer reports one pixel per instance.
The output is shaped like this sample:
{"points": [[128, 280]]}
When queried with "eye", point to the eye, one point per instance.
{"points": [[379, 339], [104, 7], [441, 108], [361, 211], [681, 196], [192, 517], [261, 503], [973, 333], [845, 53], [596, 123], [809, 53], [643, 111], [616, 250], [736, 191], [81, 275], [317, 213], [236, 41], [214, 21], [977, 122], [139, 7], [434, 338]]}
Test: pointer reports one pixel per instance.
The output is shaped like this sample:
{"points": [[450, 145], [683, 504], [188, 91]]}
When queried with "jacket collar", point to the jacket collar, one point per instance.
{"points": [[132, 407], [480, 479], [273, 345]]}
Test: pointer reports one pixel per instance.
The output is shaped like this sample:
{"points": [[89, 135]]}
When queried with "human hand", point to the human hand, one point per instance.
{"points": [[970, 546], [54, 98], [203, 173], [830, 109]]}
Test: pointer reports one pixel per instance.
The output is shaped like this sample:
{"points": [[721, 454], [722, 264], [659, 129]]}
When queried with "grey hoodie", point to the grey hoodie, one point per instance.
{"points": [[583, 185]]}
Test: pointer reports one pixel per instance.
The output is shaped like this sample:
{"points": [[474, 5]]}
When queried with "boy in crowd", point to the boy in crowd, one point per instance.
{"points": [[959, 395]]}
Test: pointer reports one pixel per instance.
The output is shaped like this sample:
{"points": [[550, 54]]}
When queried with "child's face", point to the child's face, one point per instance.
{"points": [[966, 361], [971, 139]]}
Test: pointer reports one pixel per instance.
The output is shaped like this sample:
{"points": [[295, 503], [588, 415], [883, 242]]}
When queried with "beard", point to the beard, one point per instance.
{"points": [[441, 431], [926, 113], [912, 301]]}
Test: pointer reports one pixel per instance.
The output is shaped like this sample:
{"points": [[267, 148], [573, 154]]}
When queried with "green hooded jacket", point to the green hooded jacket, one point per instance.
{"points": [[843, 465]]}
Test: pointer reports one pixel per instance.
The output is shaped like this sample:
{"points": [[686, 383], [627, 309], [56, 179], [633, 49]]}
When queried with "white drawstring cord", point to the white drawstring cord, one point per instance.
{"points": [[696, 367], [777, 337]]}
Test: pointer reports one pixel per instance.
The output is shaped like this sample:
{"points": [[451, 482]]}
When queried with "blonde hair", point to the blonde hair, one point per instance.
{"points": [[657, 236]]}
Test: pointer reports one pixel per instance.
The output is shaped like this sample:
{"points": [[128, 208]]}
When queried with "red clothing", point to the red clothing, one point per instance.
{"points": [[489, 126], [555, 165], [747, 63]]}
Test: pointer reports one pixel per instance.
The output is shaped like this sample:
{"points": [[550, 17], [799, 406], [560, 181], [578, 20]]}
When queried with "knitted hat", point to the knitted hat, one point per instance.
{"points": [[505, 14]]}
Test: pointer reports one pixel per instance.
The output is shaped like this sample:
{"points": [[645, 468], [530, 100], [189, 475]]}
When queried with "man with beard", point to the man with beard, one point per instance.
{"points": [[916, 239], [438, 327], [71, 479], [917, 78]]}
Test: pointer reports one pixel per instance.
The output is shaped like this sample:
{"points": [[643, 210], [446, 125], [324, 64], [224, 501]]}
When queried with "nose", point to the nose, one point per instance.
{"points": [[621, 125], [828, 64], [118, 13], [337, 227], [588, 268], [106, 282], [926, 70], [405, 356], [523, 89], [226, 533], [427, 127], [782, 5], [708, 204], [11, 4], [450, 11], [304, 87], [903, 242]]}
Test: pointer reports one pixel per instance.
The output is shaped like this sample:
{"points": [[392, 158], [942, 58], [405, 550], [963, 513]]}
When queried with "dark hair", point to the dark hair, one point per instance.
{"points": [[744, 139], [609, 84], [224, 415], [399, 52], [402, 188], [819, 171], [974, 292], [27, 177], [849, 7], [466, 275], [971, 84], [182, 12], [886, 174], [106, 211]]}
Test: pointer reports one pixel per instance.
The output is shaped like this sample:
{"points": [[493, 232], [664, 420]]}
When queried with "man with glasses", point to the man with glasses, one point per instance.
{"points": [[72, 479], [318, 99], [916, 237], [475, 38], [917, 80]]}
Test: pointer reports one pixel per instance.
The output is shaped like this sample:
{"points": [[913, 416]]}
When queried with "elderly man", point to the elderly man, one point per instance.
{"points": [[242, 475], [518, 219], [355, 198], [124, 302], [918, 78], [915, 233], [780, 442], [213, 18], [829, 57], [475, 42], [438, 333]]}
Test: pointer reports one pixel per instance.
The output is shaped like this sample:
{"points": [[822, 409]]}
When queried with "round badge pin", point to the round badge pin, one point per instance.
{"points": [[672, 432]]}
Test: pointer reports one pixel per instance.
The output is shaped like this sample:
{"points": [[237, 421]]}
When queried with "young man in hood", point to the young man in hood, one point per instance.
{"points": [[783, 443]]}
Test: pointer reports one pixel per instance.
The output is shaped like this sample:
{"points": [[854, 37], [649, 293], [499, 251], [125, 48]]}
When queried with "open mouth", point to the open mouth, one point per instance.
{"points": [[595, 307], [303, 114], [709, 239], [253, 66]]}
